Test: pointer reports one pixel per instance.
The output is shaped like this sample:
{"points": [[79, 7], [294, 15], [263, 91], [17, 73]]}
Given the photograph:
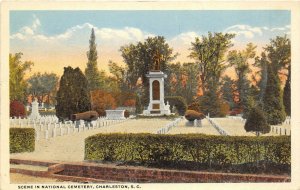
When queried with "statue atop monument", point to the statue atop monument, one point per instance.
{"points": [[157, 59]]}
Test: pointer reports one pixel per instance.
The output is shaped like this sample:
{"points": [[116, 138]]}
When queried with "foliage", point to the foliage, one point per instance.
{"points": [[139, 60], [129, 103], [210, 151], [21, 140], [273, 101], [240, 61], [194, 106], [224, 108], [249, 104], [178, 102], [91, 72], [235, 111], [182, 80], [138, 105], [102, 101], [262, 64], [287, 94], [228, 90], [191, 115], [279, 53], [17, 71], [73, 95], [208, 52], [210, 102], [257, 122], [42, 85], [17, 109]]}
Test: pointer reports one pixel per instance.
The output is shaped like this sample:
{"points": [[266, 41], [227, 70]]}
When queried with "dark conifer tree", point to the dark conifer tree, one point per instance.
{"points": [[73, 95], [287, 94], [273, 101], [91, 72], [257, 122]]}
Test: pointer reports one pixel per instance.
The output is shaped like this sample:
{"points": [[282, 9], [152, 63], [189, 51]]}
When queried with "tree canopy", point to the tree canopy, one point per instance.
{"points": [[273, 101], [91, 72], [17, 82], [73, 95], [209, 52], [42, 85]]}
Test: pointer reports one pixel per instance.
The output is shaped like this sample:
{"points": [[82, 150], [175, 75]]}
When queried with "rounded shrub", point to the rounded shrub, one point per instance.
{"points": [[257, 122], [191, 115], [17, 109], [194, 106]]}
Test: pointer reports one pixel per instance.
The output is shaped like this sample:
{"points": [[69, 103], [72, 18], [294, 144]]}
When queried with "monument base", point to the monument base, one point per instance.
{"points": [[157, 112]]}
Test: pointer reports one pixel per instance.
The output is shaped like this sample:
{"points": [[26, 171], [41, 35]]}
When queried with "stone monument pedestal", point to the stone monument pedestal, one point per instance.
{"points": [[157, 105]]}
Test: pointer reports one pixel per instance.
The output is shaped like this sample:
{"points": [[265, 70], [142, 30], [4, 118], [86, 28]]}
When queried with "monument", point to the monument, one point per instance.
{"points": [[34, 110], [156, 77]]}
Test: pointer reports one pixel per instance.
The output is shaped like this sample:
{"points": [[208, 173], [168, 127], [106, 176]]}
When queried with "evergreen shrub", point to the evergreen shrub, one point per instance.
{"points": [[218, 151], [257, 122], [21, 140]]}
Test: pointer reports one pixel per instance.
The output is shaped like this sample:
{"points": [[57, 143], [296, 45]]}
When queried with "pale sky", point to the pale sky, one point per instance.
{"points": [[55, 39]]}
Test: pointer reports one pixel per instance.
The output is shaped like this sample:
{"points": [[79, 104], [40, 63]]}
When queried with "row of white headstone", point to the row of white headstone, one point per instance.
{"points": [[49, 126], [20, 122], [169, 126], [279, 130], [46, 131], [217, 126], [286, 121]]}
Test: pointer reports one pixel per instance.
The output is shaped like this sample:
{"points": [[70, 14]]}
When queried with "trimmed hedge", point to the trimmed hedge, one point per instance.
{"points": [[189, 148], [21, 140]]}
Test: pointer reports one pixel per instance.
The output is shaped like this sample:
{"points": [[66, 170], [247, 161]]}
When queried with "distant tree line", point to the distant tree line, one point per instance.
{"points": [[261, 82]]}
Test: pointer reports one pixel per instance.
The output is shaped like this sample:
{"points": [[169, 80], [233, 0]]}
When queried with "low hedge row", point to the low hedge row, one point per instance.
{"points": [[21, 140], [189, 148]]}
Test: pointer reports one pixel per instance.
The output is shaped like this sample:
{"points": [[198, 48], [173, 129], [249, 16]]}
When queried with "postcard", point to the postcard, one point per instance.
{"points": [[150, 95]]}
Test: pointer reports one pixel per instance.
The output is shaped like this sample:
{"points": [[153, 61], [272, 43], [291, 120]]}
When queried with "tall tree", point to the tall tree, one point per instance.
{"points": [[209, 52], [279, 53], [174, 81], [73, 95], [140, 58], [210, 102], [240, 61], [262, 63], [228, 90], [287, 93], [42, 85], [91, 72], [191, 81], [273, 101], [17, 71]]}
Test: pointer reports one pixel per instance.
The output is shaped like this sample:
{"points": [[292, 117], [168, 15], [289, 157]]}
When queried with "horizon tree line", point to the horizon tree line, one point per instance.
{"points": [[203, 81]]}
